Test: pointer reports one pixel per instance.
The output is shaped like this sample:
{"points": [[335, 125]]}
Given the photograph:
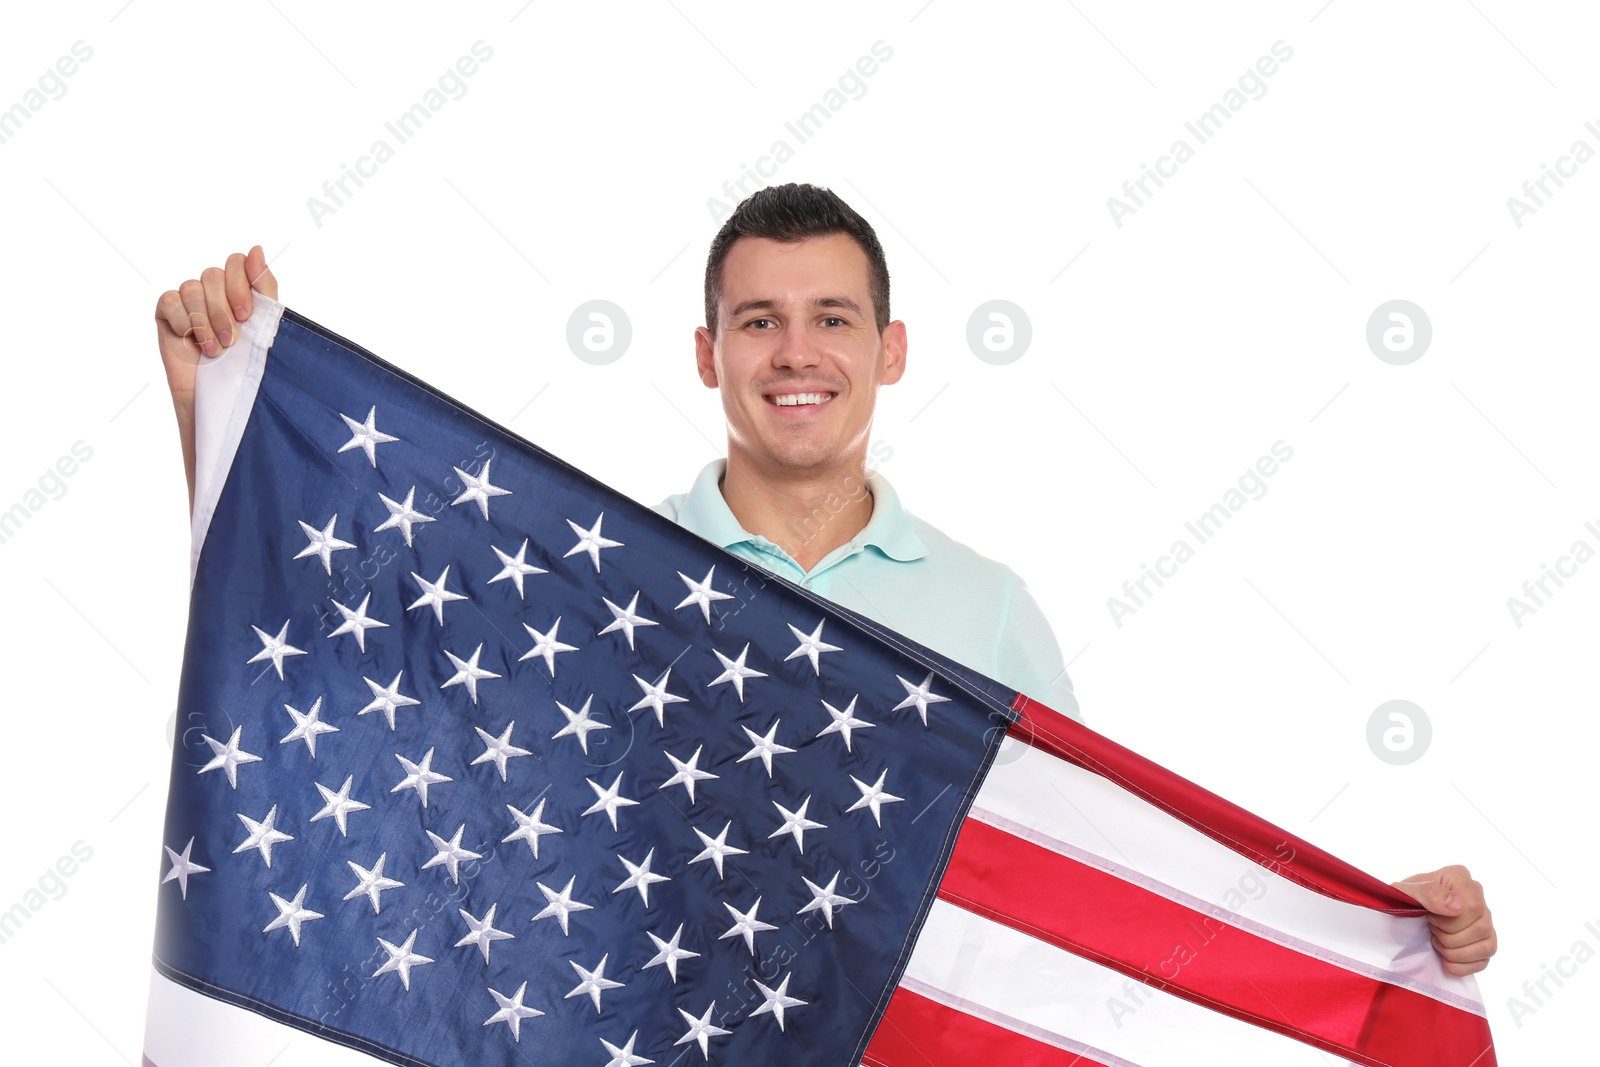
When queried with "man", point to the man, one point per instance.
{"points": [[798, 340]]}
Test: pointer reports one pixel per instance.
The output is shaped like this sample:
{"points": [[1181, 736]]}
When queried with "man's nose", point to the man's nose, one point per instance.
{"points": [[796, 349]]}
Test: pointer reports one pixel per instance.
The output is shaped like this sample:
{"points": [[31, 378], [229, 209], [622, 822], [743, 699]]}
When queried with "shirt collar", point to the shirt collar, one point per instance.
{"points": [[891, 529]]}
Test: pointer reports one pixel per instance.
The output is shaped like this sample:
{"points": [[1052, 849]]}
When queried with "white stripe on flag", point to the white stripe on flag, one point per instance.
{"points": [[1007, 978], [1108, 828], [185, 1029]]}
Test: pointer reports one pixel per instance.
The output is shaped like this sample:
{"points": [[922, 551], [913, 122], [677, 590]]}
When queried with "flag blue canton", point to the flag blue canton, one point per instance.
{"points": [[481, 762]]}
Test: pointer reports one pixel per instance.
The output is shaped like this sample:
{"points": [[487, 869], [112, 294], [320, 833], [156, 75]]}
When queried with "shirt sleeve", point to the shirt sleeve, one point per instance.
{"points": [[1028, 657]]}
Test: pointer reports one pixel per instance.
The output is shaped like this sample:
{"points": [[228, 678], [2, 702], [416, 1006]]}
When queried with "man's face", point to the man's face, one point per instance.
{"points": [[797, 353]]}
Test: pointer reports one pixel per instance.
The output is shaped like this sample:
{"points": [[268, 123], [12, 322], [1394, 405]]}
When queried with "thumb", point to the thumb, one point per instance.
{"points": [[258, 274], [1434, 894]]}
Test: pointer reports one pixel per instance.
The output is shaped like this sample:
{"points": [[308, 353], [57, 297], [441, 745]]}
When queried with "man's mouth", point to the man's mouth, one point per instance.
{"points": [[789, 400]]}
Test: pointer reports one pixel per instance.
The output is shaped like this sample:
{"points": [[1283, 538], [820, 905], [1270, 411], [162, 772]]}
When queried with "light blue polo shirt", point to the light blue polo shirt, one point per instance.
{"points": [[907, 575]]}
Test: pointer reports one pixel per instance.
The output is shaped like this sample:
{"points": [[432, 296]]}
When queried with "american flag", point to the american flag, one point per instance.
{"points": [[481, 762]]}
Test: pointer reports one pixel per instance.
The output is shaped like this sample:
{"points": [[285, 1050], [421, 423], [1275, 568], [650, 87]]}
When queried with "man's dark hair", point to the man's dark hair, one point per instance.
{"points": [[795, 212]]}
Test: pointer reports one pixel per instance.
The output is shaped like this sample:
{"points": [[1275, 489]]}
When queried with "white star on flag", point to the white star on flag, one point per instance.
{"points": [[419, 776], [322, 543], [579, 724], [275, 648], [561, 905], [387, 698], [590, 541], [811, 646], [623, 1056], [919, 696], [657, 697], [795, 823], [594, 982], [402, 516], [371, 882], [625, 619], [478, 489], [515, 567], [824, 899], [227, 756], [450, 855], [434, 594], [498, 749], [339, 804], [640, 877], [512, 1011], [765, 747], [291, 914], [776, 1000], [716, 847], [735, 671], [844, 721], [468, 673], [356, 622], [482, 932], [745, 925], [688, 772], [546, 646], [608, 799], [701, 594], [530, 827], [873, 796], [367, 436], [401, 960], [701, 1029], [668, 954], [308, 726], [182, 868], [263, 835]]}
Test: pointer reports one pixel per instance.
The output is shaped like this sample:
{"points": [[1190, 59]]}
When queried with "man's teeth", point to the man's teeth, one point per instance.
{"points": [[787, 400]]}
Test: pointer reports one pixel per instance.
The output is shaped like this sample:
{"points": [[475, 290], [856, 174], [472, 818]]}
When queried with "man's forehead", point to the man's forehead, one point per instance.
{"points": [[828, 271]]}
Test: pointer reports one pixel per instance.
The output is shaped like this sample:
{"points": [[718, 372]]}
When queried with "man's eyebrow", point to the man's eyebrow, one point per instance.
{"points": [[763, 304]]}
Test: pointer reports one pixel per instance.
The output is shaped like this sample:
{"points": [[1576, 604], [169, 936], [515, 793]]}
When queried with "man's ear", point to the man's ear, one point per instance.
{"points": [[705, 361], [894, 351]]}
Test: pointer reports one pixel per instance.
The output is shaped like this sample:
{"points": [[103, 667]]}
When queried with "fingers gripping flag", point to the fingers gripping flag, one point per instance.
{"points": [[483, 763]]}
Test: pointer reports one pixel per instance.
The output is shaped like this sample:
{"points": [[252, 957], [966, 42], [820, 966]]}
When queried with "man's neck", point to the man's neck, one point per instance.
{"points": [[807, 514]]}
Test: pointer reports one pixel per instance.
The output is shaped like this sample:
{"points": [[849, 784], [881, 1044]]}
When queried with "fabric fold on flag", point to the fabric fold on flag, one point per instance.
{"points": [[482, 762]]}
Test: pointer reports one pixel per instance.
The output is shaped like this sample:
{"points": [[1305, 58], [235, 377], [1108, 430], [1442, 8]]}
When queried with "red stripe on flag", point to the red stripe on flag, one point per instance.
{"points": [[919, 1032], [1223, 821], [1102, 918]]}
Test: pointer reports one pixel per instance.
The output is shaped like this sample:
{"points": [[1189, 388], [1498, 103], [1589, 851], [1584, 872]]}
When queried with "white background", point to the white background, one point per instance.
{"points": [[1227, 313]]}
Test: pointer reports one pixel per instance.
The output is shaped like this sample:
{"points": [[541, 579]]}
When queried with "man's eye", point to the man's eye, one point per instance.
{"points": [[834, 318], [753, 322]]}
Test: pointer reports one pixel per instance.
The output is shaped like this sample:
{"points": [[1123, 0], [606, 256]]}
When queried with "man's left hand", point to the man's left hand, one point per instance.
{"points": [[1463, 933]]}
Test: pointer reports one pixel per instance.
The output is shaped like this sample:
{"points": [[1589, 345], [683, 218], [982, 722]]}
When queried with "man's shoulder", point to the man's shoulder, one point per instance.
{"points": [[956, 560]]}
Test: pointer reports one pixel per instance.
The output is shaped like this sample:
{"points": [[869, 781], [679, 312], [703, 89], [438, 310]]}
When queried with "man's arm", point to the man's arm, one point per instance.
{"points": [[198, 320], [1028, 657]]}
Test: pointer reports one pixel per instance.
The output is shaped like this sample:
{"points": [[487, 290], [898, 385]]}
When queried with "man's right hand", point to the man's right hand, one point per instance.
{"points": [[197, 320]]}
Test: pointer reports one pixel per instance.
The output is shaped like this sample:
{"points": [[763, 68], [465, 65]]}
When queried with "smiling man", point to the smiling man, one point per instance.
{"points": [[798, 341]]}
